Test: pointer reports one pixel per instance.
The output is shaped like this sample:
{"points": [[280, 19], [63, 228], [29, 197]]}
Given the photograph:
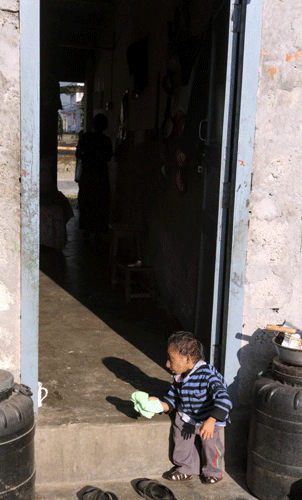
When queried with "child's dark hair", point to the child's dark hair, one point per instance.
{"points": [[186, 343]]}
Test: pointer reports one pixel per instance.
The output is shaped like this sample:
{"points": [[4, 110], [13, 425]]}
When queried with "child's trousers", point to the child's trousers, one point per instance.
{"points": [[189, 458]]}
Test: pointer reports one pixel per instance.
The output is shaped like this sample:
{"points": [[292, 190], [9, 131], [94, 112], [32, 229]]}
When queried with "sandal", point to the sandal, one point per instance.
{"points": [[178, 476], [93, 493], [85, 491], [210, 479], [152, 489]]}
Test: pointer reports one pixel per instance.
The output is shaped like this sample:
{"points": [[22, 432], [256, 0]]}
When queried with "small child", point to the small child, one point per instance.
{"points": [[199, 395]]}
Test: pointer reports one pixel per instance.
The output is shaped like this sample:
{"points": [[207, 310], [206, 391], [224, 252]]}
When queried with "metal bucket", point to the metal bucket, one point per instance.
{"points": [[289, 355]]}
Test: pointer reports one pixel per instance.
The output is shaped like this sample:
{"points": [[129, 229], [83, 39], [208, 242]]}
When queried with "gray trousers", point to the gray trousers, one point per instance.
{"points": [[193, 455]]}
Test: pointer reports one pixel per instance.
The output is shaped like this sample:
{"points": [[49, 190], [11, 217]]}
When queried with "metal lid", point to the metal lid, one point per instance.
{"points": [[6, 380]]}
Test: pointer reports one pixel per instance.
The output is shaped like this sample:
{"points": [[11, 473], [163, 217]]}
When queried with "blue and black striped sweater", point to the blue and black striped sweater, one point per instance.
{"points": [[201, 394]]}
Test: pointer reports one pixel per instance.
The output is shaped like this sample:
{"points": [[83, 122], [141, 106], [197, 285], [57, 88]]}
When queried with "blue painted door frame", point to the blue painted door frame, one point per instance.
{"points": [[235, 183], [30, 132], [241, 186]]}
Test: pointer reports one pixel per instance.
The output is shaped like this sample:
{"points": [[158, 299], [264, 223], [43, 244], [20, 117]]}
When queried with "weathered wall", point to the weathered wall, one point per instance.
{"points": [[10, 188], [273, 290], [273, 287]]}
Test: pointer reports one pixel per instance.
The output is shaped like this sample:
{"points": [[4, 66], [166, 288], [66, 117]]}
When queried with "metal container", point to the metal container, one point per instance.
{"points": [[288, 354]]}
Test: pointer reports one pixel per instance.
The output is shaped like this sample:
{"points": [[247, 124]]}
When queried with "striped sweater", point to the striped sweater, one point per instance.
{"points": [[201, 394]]}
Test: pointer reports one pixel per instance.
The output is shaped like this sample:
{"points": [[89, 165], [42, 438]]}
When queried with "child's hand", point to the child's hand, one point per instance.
{"points": [[164, 405], [207, 429]]}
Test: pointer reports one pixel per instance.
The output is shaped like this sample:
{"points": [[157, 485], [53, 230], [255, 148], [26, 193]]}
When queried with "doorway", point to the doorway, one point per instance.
{"points": [[180, 214]]}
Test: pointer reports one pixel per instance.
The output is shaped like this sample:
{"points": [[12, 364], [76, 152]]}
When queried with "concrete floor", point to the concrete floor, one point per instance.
{"points": [[95, 350]]}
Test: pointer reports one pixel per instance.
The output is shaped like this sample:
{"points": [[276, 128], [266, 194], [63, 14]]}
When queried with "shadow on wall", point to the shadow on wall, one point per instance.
{"points": [[253, 357]]}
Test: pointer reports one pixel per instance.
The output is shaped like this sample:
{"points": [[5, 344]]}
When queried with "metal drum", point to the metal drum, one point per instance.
{"points": [[17, 428], [274, 465]]}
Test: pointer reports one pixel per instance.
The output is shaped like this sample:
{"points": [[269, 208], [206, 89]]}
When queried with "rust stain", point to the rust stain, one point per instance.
{"points": [[24, 172], [296, 55], [272, 71], [241, 162], [264, 53]]}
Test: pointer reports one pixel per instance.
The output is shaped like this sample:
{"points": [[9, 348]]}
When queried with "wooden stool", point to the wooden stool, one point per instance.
{"points": [[137, 278]]}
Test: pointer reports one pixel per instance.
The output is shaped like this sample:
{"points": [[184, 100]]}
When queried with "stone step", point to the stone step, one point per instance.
{"points": [[232, 487], [79, 452]]}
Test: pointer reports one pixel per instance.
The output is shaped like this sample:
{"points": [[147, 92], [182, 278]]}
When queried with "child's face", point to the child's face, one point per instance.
{"points": [[178, 363]]}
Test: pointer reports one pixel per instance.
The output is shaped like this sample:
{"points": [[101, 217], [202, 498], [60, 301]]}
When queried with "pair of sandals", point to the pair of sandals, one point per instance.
{"points": [[180, 476], [146, 488]]}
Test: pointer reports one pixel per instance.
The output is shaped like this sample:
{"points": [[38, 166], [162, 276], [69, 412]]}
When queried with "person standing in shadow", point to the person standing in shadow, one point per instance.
{"points": [[95, 151]]}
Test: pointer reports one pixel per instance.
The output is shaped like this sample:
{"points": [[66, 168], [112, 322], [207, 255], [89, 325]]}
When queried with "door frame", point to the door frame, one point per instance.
{"points": [[30, 187], [232, 232], [251, 19]]}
